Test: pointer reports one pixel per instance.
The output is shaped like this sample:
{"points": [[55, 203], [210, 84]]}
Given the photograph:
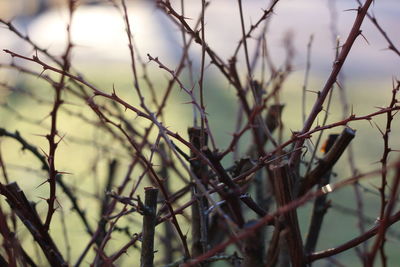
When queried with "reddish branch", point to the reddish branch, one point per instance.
{"points": [[27, 39], [113, 96], [168, 9], [266, 14], [228, 70], [384, 161], [385, 220], [51, 137], [374, 21], [354, 242], [301, 136], [29, 217], [317, 108]]}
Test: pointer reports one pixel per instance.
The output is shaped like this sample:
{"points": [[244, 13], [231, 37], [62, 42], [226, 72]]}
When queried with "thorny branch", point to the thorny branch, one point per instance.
{"points": [[191, 173]]}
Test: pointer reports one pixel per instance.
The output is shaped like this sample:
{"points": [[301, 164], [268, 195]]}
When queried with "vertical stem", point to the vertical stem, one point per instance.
{"points": [[106, 202], [168, 242], [149, 225], [321, 205], [385, 221], [198, 137], [254, 248], [283, 184], [53, 173], [306, 76], [201, 81]]}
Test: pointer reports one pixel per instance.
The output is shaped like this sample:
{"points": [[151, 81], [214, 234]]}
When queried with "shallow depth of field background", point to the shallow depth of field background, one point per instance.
{"points": [[102, 56]]}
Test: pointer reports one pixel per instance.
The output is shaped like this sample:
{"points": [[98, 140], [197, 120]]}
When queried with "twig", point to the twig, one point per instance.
{"points": [[384, 160], [385, 220], [306, 76]]}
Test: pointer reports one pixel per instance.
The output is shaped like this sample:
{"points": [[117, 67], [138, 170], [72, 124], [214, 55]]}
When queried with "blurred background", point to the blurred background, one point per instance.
{"points": [[99, 34], [101, 54]]}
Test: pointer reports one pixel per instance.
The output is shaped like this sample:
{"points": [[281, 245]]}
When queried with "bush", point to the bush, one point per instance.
{"points": [[125, 185]]}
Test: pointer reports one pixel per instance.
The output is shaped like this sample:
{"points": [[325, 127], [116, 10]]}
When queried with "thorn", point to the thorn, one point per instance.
{"points": [[379, 129], [370, 121], [40, 74], [339, 85], [47, 156], [42, 183], [45, 199], [366, 40], [59, 205], [67, 173], [61, 139], [351, 9]]}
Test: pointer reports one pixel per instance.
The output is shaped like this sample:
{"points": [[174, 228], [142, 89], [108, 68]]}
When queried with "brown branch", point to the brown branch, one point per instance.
{"points": [[284, 184], [255, 87], [198, 138], [297, 136], [317, 108], [264, 16], [328, 161], [168, 9], [353, 242], [51, 157], [283, 210], [385, 220], [374, 21], [233, 191], [321, 204], [29, 217], [156, 179], [31, 148]]}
